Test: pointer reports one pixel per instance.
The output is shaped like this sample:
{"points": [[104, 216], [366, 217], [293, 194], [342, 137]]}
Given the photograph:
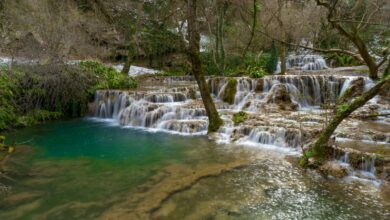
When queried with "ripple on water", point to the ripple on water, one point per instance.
{"points": [[69, 178]]}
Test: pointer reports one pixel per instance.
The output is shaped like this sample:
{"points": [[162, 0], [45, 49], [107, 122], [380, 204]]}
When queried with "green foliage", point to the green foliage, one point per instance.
{"points": [[387, 70], [37, 116], [2, 142], [273, 59], [256, 72], [7, 110], [259, 60], [208, 65], [342, 108], [158, 39], [33, 94], [304, 162], [342, 60], [107, 77], [240, 117], [236, 66], [230, 91]]}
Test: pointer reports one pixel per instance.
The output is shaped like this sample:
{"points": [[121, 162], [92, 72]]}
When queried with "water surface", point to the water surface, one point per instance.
{"points": [[85, 169]]}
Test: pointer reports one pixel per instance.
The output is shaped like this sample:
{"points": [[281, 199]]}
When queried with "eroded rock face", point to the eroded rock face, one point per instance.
{"points": [[355, 89], [280, 96], [331, 168]]}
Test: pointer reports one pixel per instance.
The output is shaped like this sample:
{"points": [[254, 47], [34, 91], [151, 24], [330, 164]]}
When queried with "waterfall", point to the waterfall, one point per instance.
{"points": [[276, 136], [177, 106], [245, 88], [304, 62], [345, 158], [164, 110], [368, 165]]}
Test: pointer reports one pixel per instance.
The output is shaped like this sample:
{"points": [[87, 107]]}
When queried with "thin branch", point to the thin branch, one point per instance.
{"points": [[339, 51]]}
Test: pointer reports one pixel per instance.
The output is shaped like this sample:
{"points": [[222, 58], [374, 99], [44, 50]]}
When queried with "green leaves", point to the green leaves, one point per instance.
{"points": [[107, 77], [256, 72]]}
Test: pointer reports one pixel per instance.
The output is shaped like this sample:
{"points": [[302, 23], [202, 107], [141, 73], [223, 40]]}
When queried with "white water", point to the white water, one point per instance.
{"points": [[304, 62], [171, 109]]}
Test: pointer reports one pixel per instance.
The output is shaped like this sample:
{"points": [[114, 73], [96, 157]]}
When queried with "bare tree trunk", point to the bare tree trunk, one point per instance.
{"points": [[131, 53], [283, 65], [253, 30], [215, 121], [320, 146], [221, 8], [283, 59]]}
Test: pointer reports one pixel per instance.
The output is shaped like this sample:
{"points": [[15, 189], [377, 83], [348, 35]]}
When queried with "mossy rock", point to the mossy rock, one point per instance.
{"points": [[240, 117], [230, 91]]}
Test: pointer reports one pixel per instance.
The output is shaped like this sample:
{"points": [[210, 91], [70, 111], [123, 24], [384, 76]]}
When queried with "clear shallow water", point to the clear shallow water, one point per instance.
{"points": [[84, 169]]}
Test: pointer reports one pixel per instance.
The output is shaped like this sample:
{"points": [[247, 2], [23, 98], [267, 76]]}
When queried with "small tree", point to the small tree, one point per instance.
{"points": [[352, 20], [273, 60]]}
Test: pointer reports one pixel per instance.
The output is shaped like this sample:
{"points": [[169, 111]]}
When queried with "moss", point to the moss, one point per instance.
{"points": [[343, 107], [215, 125], [230, 91], [2, 141], [240, 117]]}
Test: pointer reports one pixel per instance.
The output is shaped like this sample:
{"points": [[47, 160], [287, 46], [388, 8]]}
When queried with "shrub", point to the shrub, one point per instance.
{"points": [[7, 110], [342, 60], [54, 88], [37, 116], [208, 65], [107, 77], [256, 72]]}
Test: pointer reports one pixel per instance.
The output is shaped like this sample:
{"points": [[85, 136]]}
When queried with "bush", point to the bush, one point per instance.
{"points": [[256, 72], [342, 60], [32, 94], [37, 116], [54, 88], [107, 77], [240, 117], [7, 110], [208, 65]]}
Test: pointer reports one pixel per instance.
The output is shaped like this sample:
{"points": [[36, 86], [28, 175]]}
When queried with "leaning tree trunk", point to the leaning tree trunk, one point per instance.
{"points": [[318, 149], [215, 121], [353, 35]]}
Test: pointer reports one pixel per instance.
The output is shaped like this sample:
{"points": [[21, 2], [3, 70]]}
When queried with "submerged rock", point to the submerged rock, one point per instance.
{"points": [[334, 169]]}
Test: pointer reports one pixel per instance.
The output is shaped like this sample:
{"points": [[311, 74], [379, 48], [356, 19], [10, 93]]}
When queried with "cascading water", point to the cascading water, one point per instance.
{"points": [[304, 62], [157, 110], [179, 109]]}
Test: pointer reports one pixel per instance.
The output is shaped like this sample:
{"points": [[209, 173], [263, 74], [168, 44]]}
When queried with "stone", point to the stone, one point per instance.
{"points": [[280, 96], [334, 169]]}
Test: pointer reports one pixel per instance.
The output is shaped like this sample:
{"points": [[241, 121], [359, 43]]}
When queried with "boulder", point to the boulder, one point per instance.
{"points": [[280, 96], [355, 89], [334, 169]]}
